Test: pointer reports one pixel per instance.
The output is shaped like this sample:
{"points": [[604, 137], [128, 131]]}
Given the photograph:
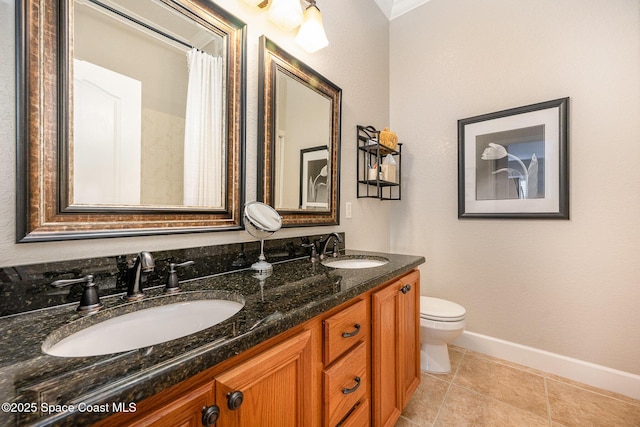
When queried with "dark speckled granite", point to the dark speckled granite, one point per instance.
{"points": [[298, 290], [26, 287]]}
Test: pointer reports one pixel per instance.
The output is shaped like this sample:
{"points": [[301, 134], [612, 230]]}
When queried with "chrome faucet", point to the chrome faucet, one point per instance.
{"points": [[143, 263], [336, 250]]}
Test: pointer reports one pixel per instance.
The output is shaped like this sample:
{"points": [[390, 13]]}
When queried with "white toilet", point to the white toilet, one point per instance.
{"points": [[441, 321]]}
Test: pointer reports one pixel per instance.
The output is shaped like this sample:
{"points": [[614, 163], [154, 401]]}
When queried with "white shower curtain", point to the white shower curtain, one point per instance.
{"points": [[203, 134]]}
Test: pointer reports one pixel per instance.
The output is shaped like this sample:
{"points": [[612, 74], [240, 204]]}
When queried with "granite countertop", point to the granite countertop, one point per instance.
{"points": [[32, 381]]}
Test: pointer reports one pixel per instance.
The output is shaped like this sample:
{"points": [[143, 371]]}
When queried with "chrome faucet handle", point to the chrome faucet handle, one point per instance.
{"points": [[173, 283], [90, 300]]}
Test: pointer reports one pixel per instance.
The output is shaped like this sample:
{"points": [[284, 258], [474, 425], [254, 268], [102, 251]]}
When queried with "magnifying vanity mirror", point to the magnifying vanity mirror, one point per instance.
{"points": [[131, 118], [261, 221], [299, 139]]}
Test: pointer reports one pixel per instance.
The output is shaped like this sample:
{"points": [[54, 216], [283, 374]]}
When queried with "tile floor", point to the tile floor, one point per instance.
{"points": [[485, 391]]}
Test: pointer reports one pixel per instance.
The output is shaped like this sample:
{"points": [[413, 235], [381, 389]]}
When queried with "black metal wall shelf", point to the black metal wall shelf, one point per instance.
{"points": [[384, 183]]}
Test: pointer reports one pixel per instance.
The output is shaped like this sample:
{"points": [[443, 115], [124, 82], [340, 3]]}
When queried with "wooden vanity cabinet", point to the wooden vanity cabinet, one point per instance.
{"points": [[271, 389], [354, 366], [395, 315], [274, 388]]}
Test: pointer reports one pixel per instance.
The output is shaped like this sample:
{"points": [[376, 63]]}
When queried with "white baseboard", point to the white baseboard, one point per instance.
{"points": [[574, 369]]}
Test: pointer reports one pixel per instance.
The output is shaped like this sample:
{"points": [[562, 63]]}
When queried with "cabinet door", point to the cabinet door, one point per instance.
{"points": [[395, 347], [270, 390], [409, 335], [185, 411], [387, 401]]}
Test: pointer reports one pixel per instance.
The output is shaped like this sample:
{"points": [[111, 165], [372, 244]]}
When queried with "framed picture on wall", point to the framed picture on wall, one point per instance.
{"points": [[314, 165], [514, 163]]}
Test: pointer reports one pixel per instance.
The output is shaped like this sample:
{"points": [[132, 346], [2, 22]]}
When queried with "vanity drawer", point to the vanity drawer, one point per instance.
{"points": [[344, 329], [358, 417], [345, 384]]}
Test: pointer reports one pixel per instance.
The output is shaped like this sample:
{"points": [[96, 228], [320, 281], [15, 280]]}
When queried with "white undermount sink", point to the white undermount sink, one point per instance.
{"points": [[359, 262], [143, 328]]}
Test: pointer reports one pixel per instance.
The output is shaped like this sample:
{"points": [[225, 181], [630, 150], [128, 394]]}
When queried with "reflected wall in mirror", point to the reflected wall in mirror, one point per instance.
{"points": [[134, 118], [299, 134], [148, 117]]}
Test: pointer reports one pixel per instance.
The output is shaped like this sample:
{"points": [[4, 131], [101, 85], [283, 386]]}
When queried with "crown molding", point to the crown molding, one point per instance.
{"points": [[394, 8]]}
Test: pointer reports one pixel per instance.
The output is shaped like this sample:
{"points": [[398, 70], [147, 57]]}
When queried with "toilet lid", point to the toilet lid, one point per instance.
{"points": [[440, 310]]}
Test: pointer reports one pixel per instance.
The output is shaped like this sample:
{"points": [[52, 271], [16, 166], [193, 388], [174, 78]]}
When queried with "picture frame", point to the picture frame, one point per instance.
{"points": [[314, 165], [514, 163]]}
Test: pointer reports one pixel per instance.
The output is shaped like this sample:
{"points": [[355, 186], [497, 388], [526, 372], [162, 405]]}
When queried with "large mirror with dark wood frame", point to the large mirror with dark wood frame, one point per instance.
{"points": [[130, 118], [299, 140]]}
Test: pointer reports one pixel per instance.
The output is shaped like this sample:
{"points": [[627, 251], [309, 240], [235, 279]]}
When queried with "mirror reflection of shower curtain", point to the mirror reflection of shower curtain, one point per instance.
{"points": [[203, 136]]}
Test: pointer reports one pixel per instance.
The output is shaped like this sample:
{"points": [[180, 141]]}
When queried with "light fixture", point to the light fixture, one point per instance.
{"points": [[286, 14], [311, 36], [259, 3]]}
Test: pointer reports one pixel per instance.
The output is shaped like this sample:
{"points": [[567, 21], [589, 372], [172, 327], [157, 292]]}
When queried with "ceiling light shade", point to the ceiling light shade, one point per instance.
{"points": [[286, 14], [259, 3], [311, 36]]}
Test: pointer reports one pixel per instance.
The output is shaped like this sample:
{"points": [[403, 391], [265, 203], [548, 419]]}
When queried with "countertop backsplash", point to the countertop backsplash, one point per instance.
{"points": [[27, 287]]}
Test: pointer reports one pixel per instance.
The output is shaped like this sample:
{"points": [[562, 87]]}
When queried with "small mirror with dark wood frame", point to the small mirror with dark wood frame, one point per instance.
{"points": [[131, 117], [299, 140]]}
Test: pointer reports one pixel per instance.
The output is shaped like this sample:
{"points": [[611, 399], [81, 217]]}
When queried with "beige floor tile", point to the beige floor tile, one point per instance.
{"points": [[403, 422], [456, 348], [425, 403], [612, 394], [508, 363], [485, 391], [464, 407], [574, 406], [455, 357], [507, 384]]}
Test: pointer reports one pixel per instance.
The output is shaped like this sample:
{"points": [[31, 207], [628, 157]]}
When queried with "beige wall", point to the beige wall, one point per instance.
{"points": [[356, 60], [568, 287]]}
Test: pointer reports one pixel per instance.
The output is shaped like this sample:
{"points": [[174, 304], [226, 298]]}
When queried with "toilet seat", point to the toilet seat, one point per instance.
{"points": [[440, 310]]}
